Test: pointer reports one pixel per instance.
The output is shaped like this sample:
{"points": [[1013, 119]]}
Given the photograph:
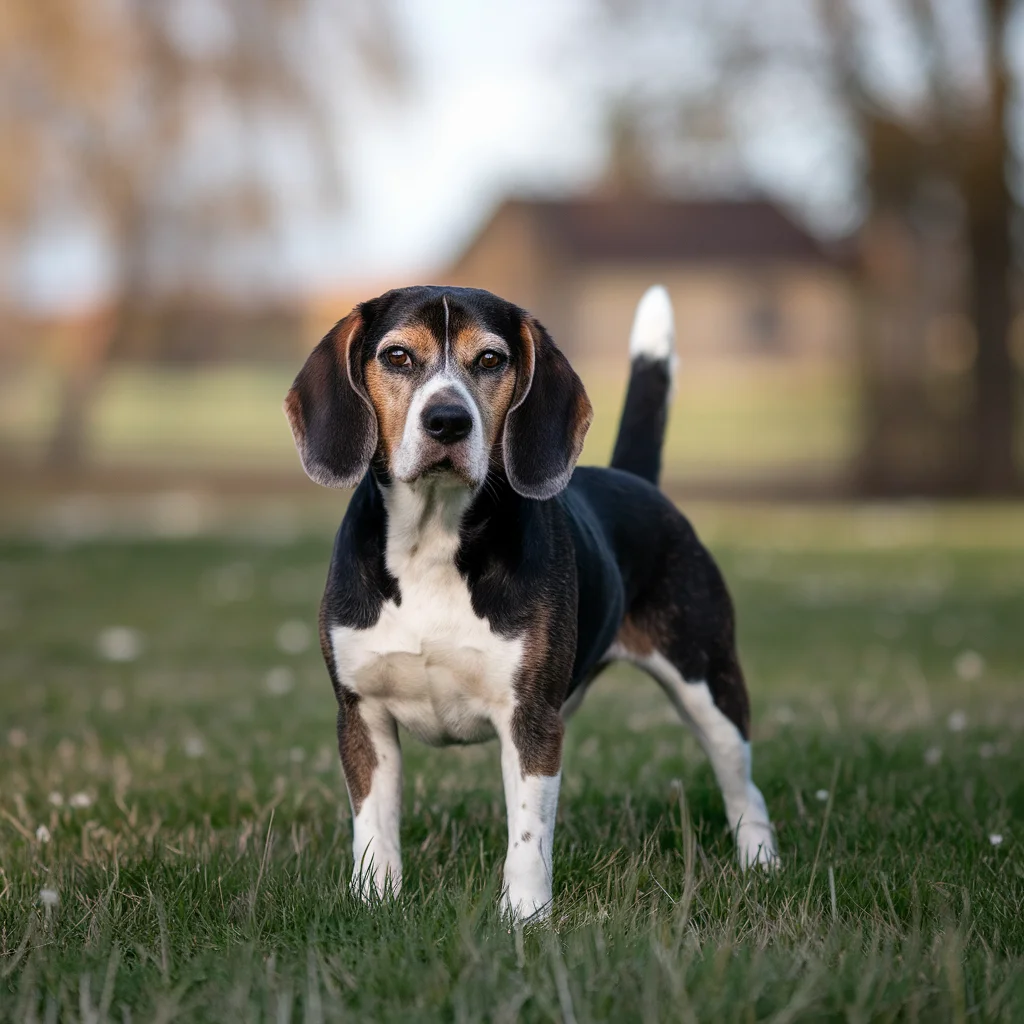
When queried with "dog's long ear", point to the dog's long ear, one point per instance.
{"points": [[547, 420], [332, 419]]}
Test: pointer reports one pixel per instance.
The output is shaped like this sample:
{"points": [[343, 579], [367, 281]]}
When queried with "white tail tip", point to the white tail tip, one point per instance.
{"points": [[653, 331]]}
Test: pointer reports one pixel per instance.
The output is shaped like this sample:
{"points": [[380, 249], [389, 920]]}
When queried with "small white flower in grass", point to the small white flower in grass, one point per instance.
{"points": [[80, 800], [969, 666], [279, 681], [293, 636], [17, 738], [987, 750], [957, 721], [49, 897], [55, 798], [821, 795], [932, 756], [119, 643], [296, 755], [995, 839], [43, 834], [194, 746], [230, 583]]}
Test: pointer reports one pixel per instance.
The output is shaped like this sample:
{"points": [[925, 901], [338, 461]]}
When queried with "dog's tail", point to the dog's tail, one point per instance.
{"points": [[652, 365]]}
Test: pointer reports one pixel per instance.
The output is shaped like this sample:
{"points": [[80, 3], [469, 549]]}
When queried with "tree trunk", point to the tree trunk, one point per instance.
{"points": [[85, 352], [990, 210]]}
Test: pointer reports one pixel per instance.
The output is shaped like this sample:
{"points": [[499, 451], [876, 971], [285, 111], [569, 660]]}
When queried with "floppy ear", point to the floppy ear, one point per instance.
{"points": [[332, 419], [548, 418]]}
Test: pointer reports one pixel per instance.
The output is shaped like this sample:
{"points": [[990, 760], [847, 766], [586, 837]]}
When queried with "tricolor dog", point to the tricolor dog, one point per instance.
{"points": [[479, 584]]}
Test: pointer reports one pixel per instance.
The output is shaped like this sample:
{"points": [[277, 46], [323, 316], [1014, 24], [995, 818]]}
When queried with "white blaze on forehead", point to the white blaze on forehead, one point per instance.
{"points": [[409, 456], [447, 336]]}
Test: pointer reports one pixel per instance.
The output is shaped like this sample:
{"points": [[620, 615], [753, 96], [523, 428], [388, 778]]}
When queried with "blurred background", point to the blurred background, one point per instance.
{"points": [[193, 191]]}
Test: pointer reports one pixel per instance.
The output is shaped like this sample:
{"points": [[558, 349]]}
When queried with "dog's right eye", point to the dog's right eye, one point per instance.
{"points": [[398, 357]]}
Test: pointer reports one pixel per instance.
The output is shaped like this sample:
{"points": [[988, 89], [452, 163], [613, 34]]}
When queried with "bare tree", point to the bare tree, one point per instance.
{"points": [[934, 161], [954, 133], [154, 120]]}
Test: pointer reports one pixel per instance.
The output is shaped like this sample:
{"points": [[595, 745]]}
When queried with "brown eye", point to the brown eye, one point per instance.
{"points": [[398, 357], [490, 360]]}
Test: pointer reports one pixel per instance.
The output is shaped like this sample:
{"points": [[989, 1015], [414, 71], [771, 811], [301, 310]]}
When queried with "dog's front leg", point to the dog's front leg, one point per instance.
{"points": [[531, 768], [372, 761]]}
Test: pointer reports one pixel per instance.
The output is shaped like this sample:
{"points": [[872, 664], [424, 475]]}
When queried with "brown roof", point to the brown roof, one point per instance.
{"points": [[640, 229]]}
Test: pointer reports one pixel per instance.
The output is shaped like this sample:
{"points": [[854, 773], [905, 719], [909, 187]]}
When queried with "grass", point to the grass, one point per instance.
{"points": [[755, 420], [185, 806]]}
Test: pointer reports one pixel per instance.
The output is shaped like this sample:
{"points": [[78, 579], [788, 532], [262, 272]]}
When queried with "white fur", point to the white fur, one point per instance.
{"points": [[728, 752], [376, 848], [432, 664], [531, 802], [430, 661], [408, 458], [653, 333]]}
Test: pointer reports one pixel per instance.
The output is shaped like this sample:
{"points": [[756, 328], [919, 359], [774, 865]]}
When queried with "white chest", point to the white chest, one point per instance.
{"points": [[435, 665]]}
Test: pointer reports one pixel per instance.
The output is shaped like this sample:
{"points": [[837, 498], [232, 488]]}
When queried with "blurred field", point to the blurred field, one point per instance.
{"points": [[168, 773], [724, 425]]}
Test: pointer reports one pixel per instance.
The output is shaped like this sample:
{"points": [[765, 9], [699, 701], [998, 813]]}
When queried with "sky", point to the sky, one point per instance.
{"points": [[496, 103], [491, 102], [500, 97]]}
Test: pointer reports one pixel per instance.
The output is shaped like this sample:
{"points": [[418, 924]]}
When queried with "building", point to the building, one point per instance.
{"points": [[747, 282]]}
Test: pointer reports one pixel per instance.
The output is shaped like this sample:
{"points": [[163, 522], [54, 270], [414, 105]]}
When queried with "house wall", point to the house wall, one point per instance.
{"points": [[723, 313], [513, 259]]}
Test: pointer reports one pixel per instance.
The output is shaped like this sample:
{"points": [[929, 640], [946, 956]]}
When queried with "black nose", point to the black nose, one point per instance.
{"points": [[447, 422]]}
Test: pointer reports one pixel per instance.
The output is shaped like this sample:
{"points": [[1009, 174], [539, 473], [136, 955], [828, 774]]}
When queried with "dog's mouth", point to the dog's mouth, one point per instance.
{"points": [[446, 468], [442, 467], [445, 471]]}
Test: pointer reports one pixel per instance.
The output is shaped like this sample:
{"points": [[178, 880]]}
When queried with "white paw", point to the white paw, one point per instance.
{"points": [[524, 907], [372, 881], [755, 845], [527, 892]]}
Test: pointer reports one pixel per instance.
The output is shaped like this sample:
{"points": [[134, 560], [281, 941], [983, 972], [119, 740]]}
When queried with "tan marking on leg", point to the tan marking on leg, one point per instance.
{"points": [[635, 638], [537, 726], [358, 758]]}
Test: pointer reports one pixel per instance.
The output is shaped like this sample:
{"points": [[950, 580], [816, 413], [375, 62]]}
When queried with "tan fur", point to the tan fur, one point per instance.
{"points": [[293, 410], [358, 758], [583, 412], [635, 638], [391, 393], [536, 725], [492, 391]]}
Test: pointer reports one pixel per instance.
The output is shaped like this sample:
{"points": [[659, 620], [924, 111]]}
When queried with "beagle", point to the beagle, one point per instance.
{"points": [[478, 584]]}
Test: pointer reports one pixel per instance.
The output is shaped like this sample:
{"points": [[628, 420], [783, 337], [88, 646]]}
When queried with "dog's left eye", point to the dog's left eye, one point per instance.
{"points": [[398, 357], [490, 360]]}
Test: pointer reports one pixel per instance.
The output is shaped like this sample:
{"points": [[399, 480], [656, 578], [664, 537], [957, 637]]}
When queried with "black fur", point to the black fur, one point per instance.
{"points": [[610, 545], [566, 569], [548, 420], [644, 417]]}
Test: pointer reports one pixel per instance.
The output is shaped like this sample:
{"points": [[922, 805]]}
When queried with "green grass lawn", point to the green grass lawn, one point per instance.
{"points": [[174, 836]]}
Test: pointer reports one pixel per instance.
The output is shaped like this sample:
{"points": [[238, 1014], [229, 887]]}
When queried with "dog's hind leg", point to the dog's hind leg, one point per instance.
{"points": [[719, 725]]}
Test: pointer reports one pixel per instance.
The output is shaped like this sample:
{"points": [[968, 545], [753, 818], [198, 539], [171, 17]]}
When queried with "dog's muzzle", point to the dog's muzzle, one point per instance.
{"points": [[443, 435]]}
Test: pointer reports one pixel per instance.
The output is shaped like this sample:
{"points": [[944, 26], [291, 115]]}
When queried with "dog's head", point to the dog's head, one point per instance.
{"points": [[439, 381]]}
